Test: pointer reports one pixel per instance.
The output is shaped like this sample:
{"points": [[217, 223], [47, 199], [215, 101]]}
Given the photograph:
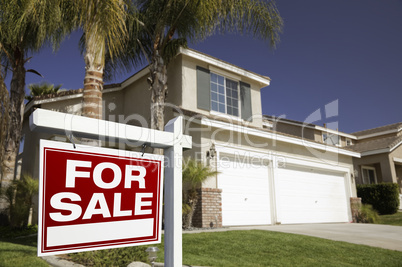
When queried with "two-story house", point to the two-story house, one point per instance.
{"points": [[265, 176]]}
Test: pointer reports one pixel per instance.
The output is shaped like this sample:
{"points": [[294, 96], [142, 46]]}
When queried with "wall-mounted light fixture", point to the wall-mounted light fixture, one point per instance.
{"points": [[211, 153]]}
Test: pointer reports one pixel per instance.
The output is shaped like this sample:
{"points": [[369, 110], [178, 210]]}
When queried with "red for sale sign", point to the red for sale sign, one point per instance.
{"points": [[94, 198]]}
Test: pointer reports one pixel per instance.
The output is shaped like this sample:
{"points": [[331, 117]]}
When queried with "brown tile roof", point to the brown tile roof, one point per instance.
{"points": [[376, 144], [59, 94], [273, 118], [394, 126], [72, 92]]}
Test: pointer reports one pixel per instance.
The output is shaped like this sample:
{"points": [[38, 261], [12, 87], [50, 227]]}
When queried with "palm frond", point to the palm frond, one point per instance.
{"points": [[195, 172]]}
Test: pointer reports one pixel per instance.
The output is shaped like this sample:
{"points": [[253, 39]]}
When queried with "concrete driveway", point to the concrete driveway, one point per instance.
{"points": [[376, 235]]}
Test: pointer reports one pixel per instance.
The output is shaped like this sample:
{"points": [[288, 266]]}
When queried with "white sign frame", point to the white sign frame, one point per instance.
{"points": [[172, 140]]}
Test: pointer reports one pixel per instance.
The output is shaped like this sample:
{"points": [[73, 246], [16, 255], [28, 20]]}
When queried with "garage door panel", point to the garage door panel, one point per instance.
{"points": [[245, 194], [307, 196]]}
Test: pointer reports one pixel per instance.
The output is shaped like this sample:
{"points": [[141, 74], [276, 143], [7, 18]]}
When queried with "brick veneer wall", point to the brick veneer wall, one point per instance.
{"points": [[355, 204], [208, 212]]}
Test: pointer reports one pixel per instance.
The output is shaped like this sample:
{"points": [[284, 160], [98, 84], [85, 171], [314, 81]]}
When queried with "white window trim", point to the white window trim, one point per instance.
{"points": [[226, 115], [368, 168]]}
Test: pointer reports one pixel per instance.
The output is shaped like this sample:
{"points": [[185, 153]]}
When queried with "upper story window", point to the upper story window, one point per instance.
{"points": [[349, 142], [331, 139], [369, 175], [224, 95], [221, 94]]}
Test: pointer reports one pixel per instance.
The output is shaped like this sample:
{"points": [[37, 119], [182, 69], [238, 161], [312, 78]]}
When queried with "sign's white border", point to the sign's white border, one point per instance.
{"points": [[97, 150]]}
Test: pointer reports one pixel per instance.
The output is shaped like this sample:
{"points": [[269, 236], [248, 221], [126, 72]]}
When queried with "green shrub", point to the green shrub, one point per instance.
{"points": [[367, 214], [383, 197], [194, 173], [111, 257], [19, 196]]}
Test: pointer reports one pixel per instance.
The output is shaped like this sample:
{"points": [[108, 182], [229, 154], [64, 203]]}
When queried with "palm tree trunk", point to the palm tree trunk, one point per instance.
{"points": [[159, 89], [190, 215], [158, 94], [16, 114], [93, 86], [4, 120]]}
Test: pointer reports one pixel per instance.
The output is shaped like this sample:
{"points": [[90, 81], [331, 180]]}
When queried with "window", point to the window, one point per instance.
{"points": [[349, 142], [220, 94], [224, 95], [330, 139], [369, 175]]}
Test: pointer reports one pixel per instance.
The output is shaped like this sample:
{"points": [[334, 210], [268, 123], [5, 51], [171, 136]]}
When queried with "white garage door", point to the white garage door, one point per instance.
{"points": [[310, 196], [245, 193]]}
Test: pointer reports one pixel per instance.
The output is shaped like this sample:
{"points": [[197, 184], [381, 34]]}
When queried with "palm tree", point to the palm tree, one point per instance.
{"points": [[194, 173], [103, 23], [162, 27], [25, 26], [4, 117], [44, 88]]}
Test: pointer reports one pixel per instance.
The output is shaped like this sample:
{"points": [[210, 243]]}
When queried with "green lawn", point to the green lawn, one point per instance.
{"points": [[19, 252], [233, 248], [266, 248], [394, 219]]}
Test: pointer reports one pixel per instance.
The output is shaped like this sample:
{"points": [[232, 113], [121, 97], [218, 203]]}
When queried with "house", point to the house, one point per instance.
{"points": [[381, 155], [380, 148], [265, 176]]}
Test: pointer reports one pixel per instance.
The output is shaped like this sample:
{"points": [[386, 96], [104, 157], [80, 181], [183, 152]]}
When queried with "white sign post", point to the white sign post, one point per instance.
{"points": [[172, 140]]}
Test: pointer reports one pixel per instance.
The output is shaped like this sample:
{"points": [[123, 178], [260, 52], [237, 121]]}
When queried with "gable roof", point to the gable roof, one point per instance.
{"points": [[391, 128], [263, 80], [377, 145]]}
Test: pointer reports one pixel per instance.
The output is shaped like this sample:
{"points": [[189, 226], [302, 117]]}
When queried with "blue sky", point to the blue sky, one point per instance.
{"points": [[349, 51]]}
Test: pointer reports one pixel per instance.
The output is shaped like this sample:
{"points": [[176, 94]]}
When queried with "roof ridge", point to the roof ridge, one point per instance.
{"points": [[378, 129]]}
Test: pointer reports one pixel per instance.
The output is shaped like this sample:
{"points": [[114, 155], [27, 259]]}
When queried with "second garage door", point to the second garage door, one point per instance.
{"points": [[245, 193], [310, 196]]}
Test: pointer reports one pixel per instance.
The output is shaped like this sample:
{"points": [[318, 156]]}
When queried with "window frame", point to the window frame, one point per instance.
{"points": [[329, 135], [348, 140], [368, 168], [225, 89]]}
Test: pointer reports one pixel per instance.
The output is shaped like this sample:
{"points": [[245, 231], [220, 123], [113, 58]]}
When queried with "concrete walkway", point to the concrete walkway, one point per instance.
{"points": [[375, 235]]}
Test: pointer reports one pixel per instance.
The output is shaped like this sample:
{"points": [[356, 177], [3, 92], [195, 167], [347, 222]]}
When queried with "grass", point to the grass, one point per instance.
{"points": [[394, 219], [18, 248], [266, 248], [233, 248]]}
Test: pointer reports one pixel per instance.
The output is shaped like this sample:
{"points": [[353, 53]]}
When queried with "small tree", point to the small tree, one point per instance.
{"points": [[194, 173], [44, 88], [19, 196]]}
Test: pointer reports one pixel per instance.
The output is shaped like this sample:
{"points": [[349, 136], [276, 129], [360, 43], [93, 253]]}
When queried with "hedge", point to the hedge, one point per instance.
{"points": [[383, 197]]}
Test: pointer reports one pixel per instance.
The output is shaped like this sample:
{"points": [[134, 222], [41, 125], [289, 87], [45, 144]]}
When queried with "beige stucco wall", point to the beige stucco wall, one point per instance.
{"points": [[382, 164], [397, 153], [272, 150], [189, 85], [70, 104], [296, 130]]}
